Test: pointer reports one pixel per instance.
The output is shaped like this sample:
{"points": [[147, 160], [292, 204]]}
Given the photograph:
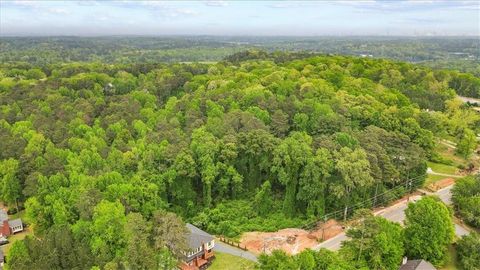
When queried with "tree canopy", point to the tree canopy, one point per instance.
{"points": [[93, 149], [428, 230]]}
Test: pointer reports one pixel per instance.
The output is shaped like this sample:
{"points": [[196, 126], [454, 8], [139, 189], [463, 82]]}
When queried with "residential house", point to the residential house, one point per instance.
{"points": [[8, 227], [416, 265], [15, 225], [200, 253]]}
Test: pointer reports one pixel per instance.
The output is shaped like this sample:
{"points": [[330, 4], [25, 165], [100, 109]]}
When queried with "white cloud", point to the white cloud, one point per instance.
{"points": [[59, 11], [88, 3], [420, 1], [286, 5], [216, 3], [152, 4], [26, 3], [185, 12]]}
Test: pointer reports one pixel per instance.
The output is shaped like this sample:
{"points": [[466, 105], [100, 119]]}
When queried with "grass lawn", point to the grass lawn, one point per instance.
{"points": [[451, 263], [432, 179], [16, 237], [442, 168], [449, 153], [225, 261]]}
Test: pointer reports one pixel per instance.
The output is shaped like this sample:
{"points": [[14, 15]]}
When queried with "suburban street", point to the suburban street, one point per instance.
{"points": [[396, 213]]}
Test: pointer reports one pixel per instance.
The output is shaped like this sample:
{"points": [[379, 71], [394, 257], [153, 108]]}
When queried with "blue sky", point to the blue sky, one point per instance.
{"points": [[298, 18]]}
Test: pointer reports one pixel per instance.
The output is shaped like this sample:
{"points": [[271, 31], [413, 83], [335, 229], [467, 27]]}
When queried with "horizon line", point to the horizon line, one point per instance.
{"points": [[226, 35]]}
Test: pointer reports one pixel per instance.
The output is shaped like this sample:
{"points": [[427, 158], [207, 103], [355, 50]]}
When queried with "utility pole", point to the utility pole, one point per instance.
{"points": [[375, 198]]}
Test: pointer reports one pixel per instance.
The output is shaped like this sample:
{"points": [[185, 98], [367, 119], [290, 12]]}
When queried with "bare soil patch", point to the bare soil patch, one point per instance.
{"points": [[290, 240], [441, 184]]}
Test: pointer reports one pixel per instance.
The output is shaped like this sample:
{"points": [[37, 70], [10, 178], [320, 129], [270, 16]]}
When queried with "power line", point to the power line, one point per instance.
{"points": [[406, 184]]}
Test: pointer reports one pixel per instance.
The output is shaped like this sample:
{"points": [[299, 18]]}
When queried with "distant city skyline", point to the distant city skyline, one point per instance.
{"points": [[234, 18]]}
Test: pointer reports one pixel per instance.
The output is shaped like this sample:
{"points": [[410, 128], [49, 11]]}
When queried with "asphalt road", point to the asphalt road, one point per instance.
{"points": [[224, 248], [395, 213]]}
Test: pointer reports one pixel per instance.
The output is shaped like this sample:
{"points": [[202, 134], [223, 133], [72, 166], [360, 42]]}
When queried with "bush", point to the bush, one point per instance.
{"points": [[233, 218], [439, 159]]}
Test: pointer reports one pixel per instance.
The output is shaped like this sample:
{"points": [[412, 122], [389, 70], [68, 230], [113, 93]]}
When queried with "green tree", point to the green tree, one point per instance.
{"points": [[35, 73], [18, 257], [329, 260], [57, 249], [305, 260], [166, 260], [468, 251], [290, 159], [467, 141], [466, 198], [279, 123], [354, 170], [169, 232], [375, 242], [107, 228], [264, 199], [313, 182], [428, 230], [11, 189], [205, 148], [278, 260], [139, 253]]}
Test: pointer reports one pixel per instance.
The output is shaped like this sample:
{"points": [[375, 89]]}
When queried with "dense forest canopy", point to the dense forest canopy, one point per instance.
{"points": [[460, 53], [257, 141]]}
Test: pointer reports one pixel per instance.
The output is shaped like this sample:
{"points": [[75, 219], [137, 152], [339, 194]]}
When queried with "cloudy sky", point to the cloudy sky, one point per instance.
{"points": [[362, 17]]}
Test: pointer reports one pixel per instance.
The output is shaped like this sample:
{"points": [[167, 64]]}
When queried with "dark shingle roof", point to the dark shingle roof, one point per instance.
{"points": [[197, 237], [417, 265]]}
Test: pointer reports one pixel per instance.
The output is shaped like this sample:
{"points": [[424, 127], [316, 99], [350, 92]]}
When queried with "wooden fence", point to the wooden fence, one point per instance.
{"points": [[232, 243]]}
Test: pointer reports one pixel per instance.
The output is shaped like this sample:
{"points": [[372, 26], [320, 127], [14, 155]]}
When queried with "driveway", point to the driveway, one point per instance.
{"points": [[224, 248]]}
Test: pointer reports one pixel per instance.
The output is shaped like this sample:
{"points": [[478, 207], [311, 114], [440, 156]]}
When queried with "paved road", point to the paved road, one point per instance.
{"points": [[446, 196], [395, 213], [224, 248]]}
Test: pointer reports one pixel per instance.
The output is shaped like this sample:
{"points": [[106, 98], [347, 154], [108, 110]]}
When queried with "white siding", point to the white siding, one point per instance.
{"points": [[211, 244]]}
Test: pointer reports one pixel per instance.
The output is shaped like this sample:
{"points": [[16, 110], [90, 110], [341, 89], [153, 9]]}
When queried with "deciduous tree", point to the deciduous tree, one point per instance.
{"points": [[428, 230]]}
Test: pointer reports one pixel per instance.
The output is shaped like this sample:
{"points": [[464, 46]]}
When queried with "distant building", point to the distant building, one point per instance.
{"points": [[366, 55], [8, 227], [416, 265], [200, 253]]}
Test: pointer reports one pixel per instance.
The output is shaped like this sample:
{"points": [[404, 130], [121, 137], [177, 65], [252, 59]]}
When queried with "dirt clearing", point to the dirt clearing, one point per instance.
{"points": [[441, 184], [291, 240]]}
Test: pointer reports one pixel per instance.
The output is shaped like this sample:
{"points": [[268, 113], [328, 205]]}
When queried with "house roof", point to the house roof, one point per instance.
{"points": [[15, 222], [417, 265], [3, 215], [197, 237]]}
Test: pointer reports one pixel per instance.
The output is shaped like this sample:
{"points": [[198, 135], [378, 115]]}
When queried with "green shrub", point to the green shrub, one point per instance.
{"points": [[233, 218]]}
